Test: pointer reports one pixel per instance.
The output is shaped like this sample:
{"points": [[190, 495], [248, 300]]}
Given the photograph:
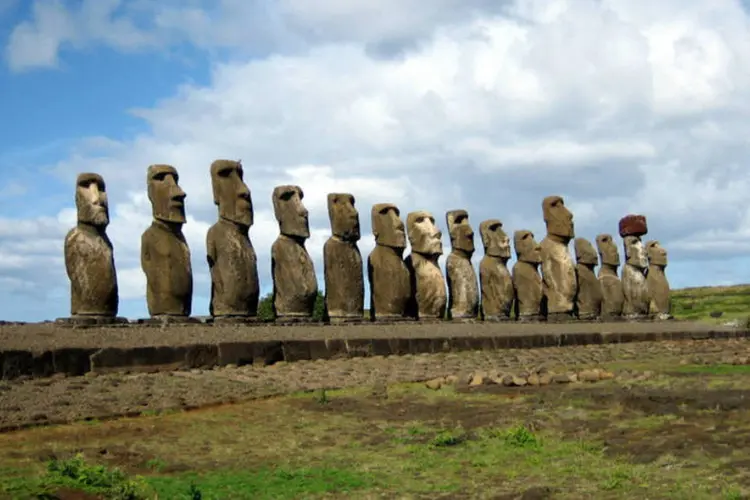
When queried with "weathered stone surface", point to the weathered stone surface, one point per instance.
{"points": [[295, 286], [165, 256], [658, 287], [527, 282], [634, 286], [463, 288], [344, 279], [427, 280], [558, 270], [390, 285], [496, 282], [613, 297], [633, 225], [589, 295], [89, 258], [235, 289]]}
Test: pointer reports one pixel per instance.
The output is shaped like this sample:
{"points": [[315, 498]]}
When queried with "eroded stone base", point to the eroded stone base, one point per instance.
{"points": [[393, 319], [234, 320], [560, 317], [346, 320], [531, 318], [296, 320], [636, 317], [589, 317], [91, 321], [662, 317], [168, 320], [612, 319], [498, 319]]}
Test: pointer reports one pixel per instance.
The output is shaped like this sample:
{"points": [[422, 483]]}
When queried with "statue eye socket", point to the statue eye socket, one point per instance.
{"points": [[287, 195], [225, 173]]}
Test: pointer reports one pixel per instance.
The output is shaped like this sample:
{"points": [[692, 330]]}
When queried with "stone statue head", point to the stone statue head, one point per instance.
{"points": [[558, 218], [344, 216], [608, 252], [657, 254], [496, 242], [585, 253], [166, 196], [91, 200], [387, 226], [635, 253], [462, 235], [527, 249], [424, 236], [231, 194], [290, 212]]}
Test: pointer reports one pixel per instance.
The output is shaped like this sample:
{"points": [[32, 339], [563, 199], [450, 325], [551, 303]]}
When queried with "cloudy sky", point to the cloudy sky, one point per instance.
{"points": [[619, 106]]}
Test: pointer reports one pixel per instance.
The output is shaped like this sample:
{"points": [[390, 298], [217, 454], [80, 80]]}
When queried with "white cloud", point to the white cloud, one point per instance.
{"points": [[620, 106]]}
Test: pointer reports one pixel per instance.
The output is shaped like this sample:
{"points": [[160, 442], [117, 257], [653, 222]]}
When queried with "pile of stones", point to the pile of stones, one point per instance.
{"points": [[533, 378]]}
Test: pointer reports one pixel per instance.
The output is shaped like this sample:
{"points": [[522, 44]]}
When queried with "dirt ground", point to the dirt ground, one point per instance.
{"points": [[64, 399], [43, 336]]}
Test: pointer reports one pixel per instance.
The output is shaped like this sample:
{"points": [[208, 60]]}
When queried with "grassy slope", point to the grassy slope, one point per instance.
{"points": [[580, 442], [698, 303]]}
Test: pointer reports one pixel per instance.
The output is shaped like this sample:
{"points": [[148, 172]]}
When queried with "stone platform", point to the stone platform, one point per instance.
{"points": [[42, 350]]}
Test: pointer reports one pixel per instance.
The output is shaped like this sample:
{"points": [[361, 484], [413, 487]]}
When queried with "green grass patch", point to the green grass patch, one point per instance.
{"points": [[719, 369], [265, 483]]}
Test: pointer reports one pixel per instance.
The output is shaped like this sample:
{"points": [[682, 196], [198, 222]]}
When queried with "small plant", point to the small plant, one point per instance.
{"points": [[521, 437], [194, 493], [156, 464], [321, 397], [76, 473], [449, 437], [616, 480]]}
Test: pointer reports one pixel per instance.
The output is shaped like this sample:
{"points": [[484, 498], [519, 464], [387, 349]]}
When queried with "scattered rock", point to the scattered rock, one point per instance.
{"points": [[434, 384], [519, 381], [451, 379], [477, 378], [534, 379], [588, 376], [561, 378]]}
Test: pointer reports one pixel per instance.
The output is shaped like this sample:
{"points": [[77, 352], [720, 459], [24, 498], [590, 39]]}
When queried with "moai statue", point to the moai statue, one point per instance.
{"points": [[427, 280], [589, 290], [295, 286], [89, 259], [235, 289], [558, 270], [345, 285], [613, 297], [390, 286], [463, 289], [658, 286], [495, 280], [527, 281], [165, 256], [634, 286]]}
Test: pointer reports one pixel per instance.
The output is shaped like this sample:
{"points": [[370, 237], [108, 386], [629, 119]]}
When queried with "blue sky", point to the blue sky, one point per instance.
{"points": [[620, 106]]}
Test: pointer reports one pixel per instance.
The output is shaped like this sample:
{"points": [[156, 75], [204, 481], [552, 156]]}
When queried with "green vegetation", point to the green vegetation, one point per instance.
{"points": [[733, 302], [718, 369], [585, 441]]}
